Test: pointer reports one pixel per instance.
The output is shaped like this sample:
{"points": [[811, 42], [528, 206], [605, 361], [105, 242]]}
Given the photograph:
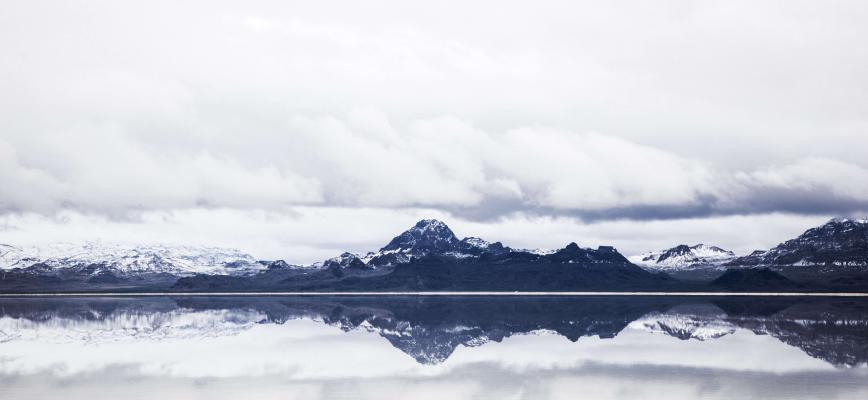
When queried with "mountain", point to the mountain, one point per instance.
{"points": [[427, 237], [427, 256], [117, 267], [840, 244], [831, 257], [683, 257], [430, 257], [571, 268], [346, 261]]}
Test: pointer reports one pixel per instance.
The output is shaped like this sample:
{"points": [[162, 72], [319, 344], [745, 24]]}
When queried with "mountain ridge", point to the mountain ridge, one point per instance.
{"points": [[127, 259], [840, 242], [684, 257], [430, 257]]}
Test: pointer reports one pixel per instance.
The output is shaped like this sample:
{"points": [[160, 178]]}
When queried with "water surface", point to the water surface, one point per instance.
{"points": [[433, 347]]}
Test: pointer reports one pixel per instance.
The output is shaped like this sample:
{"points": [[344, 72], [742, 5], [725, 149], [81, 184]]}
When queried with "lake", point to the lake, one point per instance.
{"points": [[443, 347]]}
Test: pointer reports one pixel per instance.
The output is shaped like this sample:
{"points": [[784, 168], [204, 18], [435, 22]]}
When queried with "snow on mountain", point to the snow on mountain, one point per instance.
{"points": [[346, 260], [840, 242], [539, 252], [476, 242], [684, 257], [125, 259], [426, 237], [430, 237]]}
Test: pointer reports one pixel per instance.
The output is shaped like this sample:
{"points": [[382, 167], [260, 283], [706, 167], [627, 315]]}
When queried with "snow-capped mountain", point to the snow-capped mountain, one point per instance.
{"points": [[684, 257], [124, 259], [429, 257], [476, 242], [403, 263], [430, 237], [426, 237], [841, 242], [345, 260]]}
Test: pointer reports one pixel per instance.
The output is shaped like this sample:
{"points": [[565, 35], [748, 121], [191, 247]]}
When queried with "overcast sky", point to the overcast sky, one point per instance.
{"points": [[298, 130]]}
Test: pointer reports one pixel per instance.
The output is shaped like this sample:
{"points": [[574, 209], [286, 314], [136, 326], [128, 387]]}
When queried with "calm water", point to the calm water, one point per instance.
{"points": [[433, 348]]}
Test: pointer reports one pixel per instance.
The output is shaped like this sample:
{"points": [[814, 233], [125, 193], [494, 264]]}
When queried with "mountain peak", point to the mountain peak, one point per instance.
{"points": [[125, 258], [476, 242], [839, 243], [345, 260], [426, 235], [842, 220], [430, 223], [683, 256]]}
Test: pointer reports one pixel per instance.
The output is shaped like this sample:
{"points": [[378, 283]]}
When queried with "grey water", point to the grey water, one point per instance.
{"points": [[444, 347]]}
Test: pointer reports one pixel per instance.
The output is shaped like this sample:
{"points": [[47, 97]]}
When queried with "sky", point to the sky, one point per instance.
{"points": [[298, 130]]}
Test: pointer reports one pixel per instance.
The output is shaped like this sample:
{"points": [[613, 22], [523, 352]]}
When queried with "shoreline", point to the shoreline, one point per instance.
{"points": [[425, 294]]}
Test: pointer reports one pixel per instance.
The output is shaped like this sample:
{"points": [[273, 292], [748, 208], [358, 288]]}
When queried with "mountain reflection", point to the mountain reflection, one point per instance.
{"points": [[429, 329]]}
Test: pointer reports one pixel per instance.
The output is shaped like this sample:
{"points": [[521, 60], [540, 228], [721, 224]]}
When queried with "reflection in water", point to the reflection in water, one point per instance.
{"points": [[333, 347]]}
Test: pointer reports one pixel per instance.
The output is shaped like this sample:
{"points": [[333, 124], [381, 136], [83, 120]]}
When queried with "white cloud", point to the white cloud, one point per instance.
{"points": [[108, 172], [439, 162], [831, 176], [365, 160]]}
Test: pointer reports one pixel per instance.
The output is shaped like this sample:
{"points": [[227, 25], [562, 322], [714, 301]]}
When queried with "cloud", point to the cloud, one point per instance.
{"points": [[364, 160], [838, 179], [358, 161], [108, 173]]}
